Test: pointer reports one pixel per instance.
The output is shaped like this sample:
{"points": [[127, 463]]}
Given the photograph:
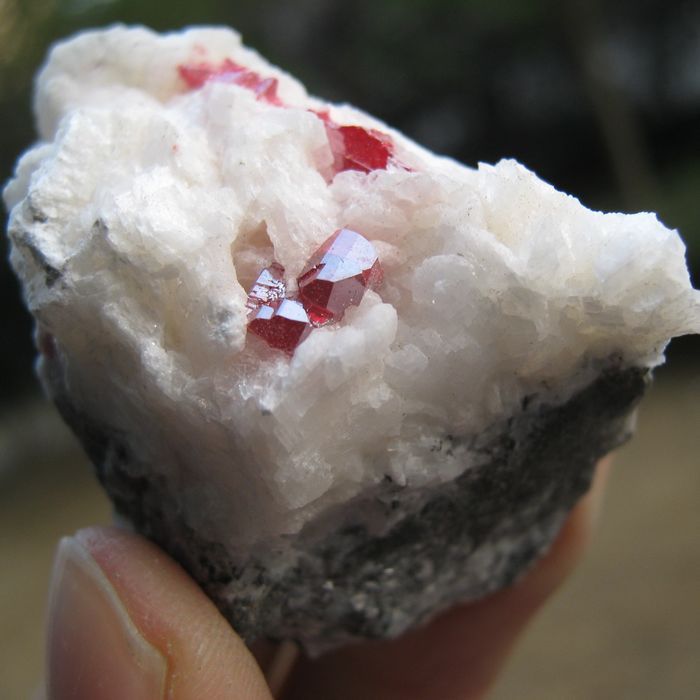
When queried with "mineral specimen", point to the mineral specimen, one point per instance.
{"points": [[426, 444], [229, 72]]}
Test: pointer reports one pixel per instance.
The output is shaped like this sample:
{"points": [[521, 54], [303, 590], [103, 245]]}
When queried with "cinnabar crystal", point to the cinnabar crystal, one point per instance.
{"points": [[228, 71], [282, 326], [357, 148], [338, 275]]}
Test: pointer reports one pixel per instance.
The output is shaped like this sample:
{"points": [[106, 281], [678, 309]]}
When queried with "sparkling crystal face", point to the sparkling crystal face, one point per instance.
{"points": [[268, 289], [282, 326], [196, 75], [338, 275]]}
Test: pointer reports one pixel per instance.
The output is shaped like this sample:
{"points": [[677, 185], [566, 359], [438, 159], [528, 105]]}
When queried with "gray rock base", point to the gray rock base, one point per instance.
{"points": [[458, 542]]}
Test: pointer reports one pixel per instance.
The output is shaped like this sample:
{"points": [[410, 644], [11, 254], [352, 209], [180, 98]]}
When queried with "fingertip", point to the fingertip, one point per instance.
{"points": [[94, 650], [144, 593]]}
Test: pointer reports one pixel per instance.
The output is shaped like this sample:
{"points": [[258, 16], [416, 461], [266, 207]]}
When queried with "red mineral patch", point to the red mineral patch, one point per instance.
{"points": [[282, 326], [353, 147], [338, 275], [197, 74]]}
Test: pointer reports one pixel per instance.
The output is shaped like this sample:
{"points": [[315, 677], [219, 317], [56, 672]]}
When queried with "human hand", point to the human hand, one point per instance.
{"points": [[127, 623]]}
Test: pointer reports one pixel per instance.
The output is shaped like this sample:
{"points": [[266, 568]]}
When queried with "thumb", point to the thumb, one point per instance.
{"points": [[125, 621]]}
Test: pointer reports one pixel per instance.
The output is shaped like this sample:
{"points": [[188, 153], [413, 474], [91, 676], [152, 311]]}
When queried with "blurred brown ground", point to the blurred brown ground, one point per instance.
{"points": [[626, 626]]}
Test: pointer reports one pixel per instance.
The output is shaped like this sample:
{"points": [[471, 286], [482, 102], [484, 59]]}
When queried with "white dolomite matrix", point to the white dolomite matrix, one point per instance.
{"points": [[421, 450]]}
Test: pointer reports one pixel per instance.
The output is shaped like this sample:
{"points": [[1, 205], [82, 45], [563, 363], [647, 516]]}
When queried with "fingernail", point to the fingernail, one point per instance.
{"points": [[94, 649]]}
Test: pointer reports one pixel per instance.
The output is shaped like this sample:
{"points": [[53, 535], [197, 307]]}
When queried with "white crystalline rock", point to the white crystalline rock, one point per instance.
{"points": [[147, 209]]}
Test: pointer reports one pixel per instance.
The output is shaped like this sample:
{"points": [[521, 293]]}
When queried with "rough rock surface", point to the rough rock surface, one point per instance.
{"points": [[462, 540], [423, 450]]}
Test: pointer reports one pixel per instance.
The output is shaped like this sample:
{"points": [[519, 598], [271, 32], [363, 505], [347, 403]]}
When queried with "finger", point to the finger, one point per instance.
{"points": [[276, 659], [125, 621], [458, 655]]}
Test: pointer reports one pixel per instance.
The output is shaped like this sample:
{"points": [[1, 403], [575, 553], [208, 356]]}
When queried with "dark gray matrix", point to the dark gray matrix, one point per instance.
{"points": [[461, 541]]}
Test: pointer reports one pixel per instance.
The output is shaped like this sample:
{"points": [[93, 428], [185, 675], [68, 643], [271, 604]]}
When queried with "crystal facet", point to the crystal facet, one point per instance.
{"points": [[227, 71], [282, 326], [338, 275], [268, 289], [356, 148], [363, 149]]}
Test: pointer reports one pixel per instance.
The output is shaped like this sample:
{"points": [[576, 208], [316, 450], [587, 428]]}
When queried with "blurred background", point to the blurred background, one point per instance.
{"points": [[601, 99]]}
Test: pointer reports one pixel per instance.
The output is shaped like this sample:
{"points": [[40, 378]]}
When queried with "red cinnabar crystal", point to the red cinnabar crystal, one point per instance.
{"points": [[227, 71], [338, 275], [282, 326], [357, 148]]}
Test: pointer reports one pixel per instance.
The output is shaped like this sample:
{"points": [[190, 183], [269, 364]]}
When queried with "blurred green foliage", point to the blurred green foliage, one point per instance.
{"points": [[601, 99]]}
